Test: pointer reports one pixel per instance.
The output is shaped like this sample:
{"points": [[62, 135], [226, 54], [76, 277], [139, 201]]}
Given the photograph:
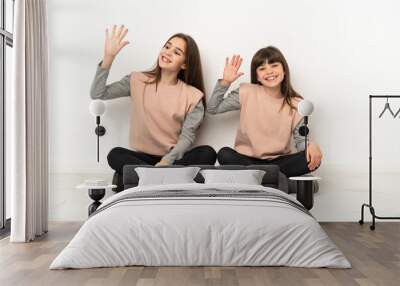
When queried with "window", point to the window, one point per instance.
{"points": [[6, 44]]}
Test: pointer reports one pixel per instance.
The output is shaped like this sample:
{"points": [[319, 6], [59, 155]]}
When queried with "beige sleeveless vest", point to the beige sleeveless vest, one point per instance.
{"points": [[264, 132], [157, 116]]}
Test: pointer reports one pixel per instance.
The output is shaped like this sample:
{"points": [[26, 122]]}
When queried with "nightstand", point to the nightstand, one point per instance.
{"points": [[96, 192], [305, 192]]}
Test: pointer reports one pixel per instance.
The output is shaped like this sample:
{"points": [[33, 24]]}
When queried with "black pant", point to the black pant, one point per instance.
{"points": [[291, 165], [118, 157]]}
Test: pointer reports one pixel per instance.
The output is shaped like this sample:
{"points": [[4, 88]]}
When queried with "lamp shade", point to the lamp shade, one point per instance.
{"points": [[305, 107], [97, 108]]}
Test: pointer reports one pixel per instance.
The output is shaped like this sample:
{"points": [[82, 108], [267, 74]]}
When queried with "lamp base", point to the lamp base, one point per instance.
{"points": [[100, 130]]}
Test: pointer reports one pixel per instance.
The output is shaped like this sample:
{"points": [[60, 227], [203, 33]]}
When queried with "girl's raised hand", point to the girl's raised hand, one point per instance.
{"points": [[115, 41], [231, 70]]}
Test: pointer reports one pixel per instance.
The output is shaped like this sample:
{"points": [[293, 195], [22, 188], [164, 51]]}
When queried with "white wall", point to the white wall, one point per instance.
{"points": [[339, 52]]}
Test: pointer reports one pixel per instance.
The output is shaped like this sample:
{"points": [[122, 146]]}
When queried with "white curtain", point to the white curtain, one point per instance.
{"points": [[28, 158]]}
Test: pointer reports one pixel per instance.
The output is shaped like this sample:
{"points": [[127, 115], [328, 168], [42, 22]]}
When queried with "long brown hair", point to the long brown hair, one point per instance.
{"points": [[193, 74], [273, 55]]}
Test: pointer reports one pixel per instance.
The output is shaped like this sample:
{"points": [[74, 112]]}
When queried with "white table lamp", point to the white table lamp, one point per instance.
{"points": [[305, 108]]}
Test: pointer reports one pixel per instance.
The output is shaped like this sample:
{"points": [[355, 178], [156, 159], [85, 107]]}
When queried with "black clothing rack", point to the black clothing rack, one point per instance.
{"points": [[369, 205]]}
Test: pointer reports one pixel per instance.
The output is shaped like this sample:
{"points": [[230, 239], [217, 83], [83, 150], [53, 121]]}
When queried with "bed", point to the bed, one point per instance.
{"points": [[201, 224]]}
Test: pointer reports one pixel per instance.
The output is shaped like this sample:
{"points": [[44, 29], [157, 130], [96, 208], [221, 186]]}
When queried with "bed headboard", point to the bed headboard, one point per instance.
{"points": [[273, 177]]}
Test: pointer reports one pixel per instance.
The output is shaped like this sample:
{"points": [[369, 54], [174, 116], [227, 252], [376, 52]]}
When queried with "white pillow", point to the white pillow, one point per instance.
{"points": [[249, 177], [162, 176]]}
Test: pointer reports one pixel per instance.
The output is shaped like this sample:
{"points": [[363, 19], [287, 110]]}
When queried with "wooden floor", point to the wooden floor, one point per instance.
{"points": [[374, 255]]}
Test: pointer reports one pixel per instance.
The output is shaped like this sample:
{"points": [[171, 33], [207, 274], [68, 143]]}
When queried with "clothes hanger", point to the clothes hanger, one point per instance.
{"points": [[387, 107], [397, 113]]}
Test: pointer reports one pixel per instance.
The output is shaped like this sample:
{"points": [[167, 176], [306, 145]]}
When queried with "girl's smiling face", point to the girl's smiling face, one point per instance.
{"points": [[270, 75], [172, 56]]}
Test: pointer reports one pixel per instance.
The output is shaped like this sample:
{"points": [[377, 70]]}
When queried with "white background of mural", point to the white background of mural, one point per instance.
{"points": [[339, 52]]}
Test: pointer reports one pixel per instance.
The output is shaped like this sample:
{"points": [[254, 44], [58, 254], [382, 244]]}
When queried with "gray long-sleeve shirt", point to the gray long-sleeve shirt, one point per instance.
{"points": [[220, 104], [101, 90]]}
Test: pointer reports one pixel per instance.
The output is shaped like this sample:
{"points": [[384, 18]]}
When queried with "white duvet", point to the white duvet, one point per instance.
{"points": [[182, 231]]}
